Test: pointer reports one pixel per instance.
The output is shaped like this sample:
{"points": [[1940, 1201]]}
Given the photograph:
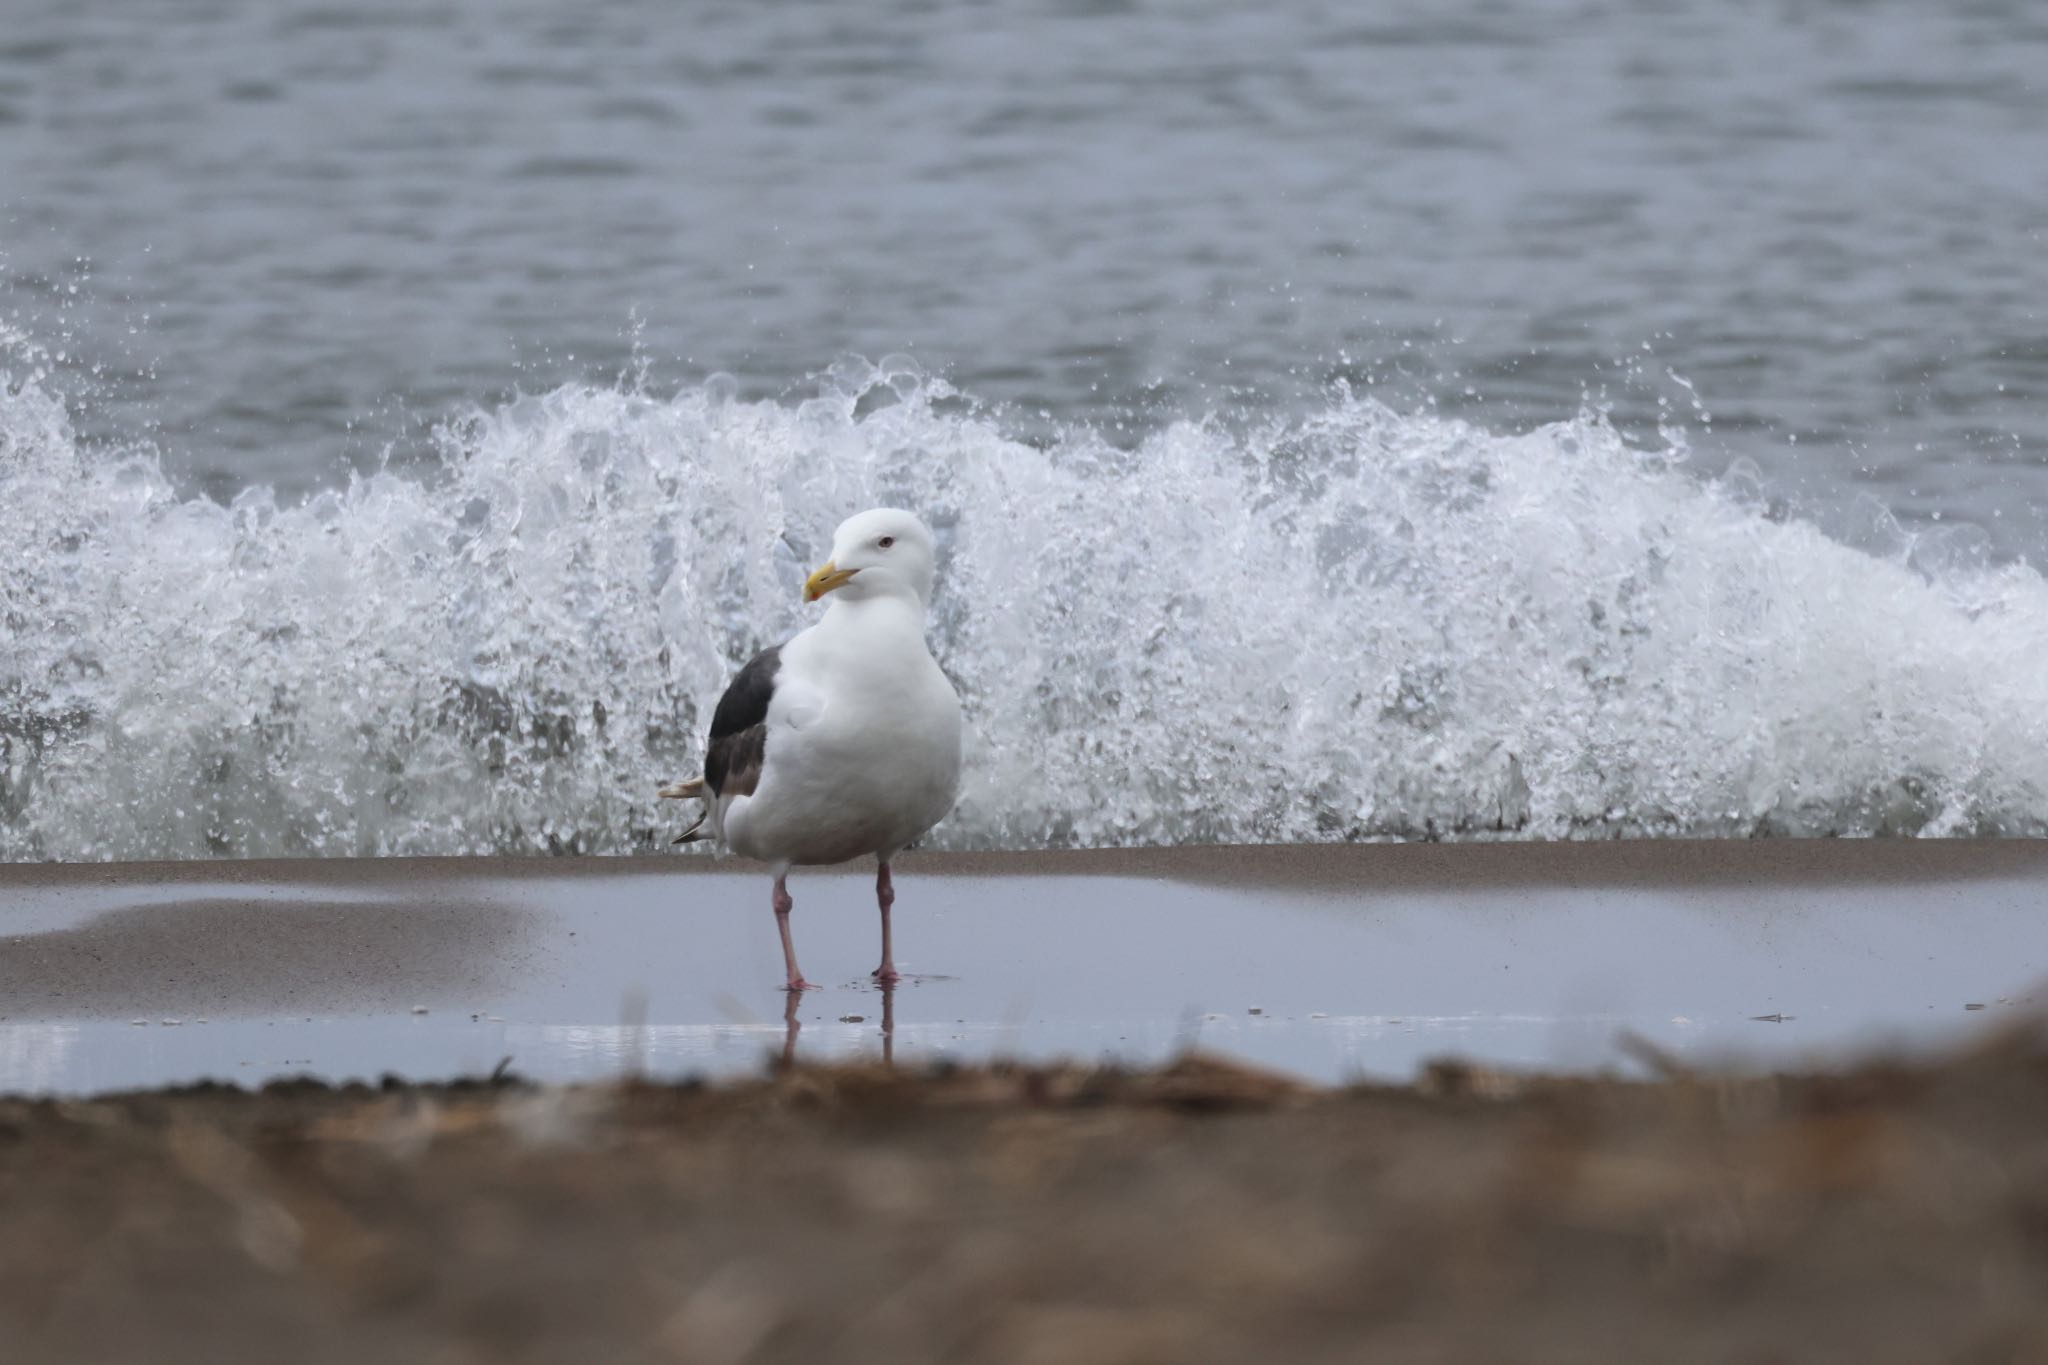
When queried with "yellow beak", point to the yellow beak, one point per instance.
{"points": [[826, 579]]}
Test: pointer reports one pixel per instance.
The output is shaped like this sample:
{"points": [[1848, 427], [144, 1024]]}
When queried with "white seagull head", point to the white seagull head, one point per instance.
{"points": [[883, 553]]}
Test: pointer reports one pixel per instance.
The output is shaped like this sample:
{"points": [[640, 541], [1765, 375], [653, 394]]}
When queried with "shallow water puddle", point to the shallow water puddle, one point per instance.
{"points": [[580, 972]]}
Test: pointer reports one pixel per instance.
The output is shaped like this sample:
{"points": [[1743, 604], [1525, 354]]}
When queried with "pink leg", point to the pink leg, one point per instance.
{"points": [[783, 905], [885, 896]]}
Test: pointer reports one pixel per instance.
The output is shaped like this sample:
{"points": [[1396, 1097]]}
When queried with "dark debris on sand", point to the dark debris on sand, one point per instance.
{"points": [[1203, 1212]]}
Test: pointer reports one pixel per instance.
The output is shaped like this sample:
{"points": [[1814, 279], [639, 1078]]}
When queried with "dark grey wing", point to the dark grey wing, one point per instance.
{"points": [[739, 728]]}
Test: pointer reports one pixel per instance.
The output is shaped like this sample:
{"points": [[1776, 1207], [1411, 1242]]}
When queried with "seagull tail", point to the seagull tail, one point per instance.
{"points": [[683, 791]]}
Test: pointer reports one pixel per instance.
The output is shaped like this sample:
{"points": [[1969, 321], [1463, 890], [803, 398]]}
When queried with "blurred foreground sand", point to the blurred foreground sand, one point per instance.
{"points": [[1204, 1212]]}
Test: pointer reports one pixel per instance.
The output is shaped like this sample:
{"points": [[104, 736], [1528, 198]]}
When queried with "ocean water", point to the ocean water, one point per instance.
{"points": [[1492, 420]]}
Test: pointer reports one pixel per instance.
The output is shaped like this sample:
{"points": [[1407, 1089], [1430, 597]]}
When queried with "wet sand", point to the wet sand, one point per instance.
{"points": [[1326, 963], [886, 1193]]}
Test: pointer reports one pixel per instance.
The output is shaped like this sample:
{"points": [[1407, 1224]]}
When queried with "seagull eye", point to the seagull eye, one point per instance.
{"points": [[886, 541]]}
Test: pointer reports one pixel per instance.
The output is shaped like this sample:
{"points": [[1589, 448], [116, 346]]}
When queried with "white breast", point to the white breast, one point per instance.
{"points": [[863, 747]]}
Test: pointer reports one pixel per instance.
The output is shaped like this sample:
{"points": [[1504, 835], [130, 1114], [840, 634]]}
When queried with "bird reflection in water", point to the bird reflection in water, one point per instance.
{"points": [[792, 1026]]}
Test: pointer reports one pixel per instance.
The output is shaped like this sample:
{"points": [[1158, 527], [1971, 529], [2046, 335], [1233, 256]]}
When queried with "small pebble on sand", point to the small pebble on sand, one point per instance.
{"points": [[419, 1009]]}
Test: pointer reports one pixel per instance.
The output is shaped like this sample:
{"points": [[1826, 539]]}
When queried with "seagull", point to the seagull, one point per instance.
{"points": [[844, 740]]}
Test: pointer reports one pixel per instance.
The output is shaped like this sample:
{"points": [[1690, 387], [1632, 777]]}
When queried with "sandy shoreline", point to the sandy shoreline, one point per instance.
{"points": [[1326, 962], [868, 1203], [1616, 862]]}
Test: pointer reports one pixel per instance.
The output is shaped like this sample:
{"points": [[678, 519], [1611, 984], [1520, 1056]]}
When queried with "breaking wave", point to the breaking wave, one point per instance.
{"points": [[1358, 623]]}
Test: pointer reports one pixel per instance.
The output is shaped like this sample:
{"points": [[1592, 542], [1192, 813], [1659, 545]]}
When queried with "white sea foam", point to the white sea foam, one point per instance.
{"points": [[1359, 623]]}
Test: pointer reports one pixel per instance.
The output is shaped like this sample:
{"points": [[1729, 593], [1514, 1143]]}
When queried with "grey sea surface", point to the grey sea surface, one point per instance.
{"points": [[280, 240]]}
